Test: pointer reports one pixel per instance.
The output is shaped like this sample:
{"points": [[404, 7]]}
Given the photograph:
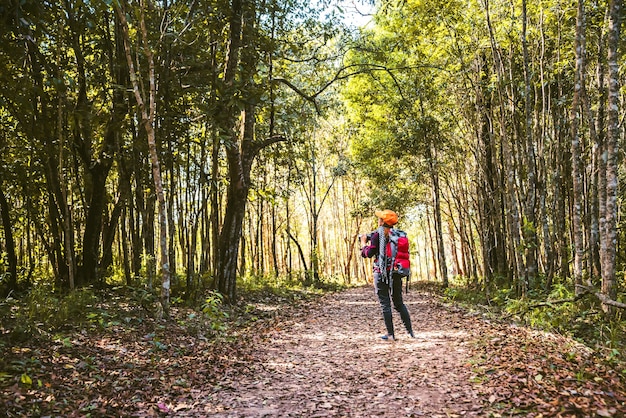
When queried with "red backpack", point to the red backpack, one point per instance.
{"points": [[398, 251]]}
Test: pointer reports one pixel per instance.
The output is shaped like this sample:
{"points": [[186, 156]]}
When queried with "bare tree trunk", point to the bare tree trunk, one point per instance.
{"points": [[577, 168], [68, 231], [433, 252], [225, 273], [125, 249], [274, 226], [599, 147], [441, 255], [543, 153], [119, 109], [242, 148], [591, 219], [147, 118], [138, 211], [97, 167], [456, 265], [434, 176], [39, 122], [215, 221], [9, 242], [609, 286], [530, 229], [494, 256], [509, 200]]}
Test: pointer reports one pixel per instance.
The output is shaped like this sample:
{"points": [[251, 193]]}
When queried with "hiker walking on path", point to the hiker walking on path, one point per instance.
{"points": [[390, 247]]}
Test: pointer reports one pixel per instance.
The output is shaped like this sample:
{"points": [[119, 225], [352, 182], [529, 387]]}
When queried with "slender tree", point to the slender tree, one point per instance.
{"points": [[9, 243], [610, 232], [147, 111], [577, 170]]}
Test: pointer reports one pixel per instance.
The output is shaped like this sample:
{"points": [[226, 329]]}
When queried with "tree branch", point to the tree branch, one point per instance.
{"points": [[605, 299], [256, 147], [344, 73], [587, 290]]}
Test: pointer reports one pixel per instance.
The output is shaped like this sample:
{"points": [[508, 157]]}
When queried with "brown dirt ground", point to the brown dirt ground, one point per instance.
{"points": [[331, 362], [322, 357]]}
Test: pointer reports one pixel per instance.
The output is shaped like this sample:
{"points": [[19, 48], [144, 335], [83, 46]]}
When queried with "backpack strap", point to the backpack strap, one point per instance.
{"points": [[394, 236], [393, 243], [382, 255], [408, 279]]}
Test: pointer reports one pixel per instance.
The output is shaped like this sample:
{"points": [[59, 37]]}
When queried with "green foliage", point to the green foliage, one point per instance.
{"points": [[612, 335], [553, 317], [501, 296], [464, 295], [289, 287], [25, 368], [395, 101], [58, 311], [213, 309], [332, 283], [559, 311], [44, 311]]}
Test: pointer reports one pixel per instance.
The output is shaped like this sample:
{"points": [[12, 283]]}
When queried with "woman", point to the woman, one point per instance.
{"points": [[390, 248]]}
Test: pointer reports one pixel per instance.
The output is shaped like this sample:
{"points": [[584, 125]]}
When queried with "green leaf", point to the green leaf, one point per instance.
{"points": [[26, 380]]}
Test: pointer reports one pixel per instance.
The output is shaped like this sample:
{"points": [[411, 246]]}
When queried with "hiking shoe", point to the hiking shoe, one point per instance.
{"points": [[388, 337], [411, 334]]}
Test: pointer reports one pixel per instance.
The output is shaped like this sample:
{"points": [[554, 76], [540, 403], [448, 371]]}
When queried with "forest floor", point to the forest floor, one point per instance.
{"points": [[322, 357]]}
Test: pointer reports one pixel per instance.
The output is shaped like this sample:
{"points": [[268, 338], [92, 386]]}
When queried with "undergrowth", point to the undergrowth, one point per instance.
{"points": [[558, 311], [43, 313]]}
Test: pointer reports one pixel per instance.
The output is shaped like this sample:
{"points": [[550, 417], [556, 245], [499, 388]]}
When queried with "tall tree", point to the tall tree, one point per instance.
{"points": [[577, 170], [610, 232], [241, 145], [9, 246], [147, 110]]}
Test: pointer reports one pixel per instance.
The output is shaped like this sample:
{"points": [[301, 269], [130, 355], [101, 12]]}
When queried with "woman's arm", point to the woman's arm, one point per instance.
{"points": [[370, 250]]}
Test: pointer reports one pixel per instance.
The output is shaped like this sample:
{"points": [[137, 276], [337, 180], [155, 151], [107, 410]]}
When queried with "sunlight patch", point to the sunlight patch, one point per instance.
{"points": [[358, 303], [266, 308]]}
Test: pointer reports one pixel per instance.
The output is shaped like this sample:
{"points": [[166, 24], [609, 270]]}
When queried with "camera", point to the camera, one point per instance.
{"points": [[368, 236]]}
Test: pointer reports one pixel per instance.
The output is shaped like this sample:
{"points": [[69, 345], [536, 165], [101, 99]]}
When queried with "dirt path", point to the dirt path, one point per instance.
{"points": [[330, 362], [322, 358]]}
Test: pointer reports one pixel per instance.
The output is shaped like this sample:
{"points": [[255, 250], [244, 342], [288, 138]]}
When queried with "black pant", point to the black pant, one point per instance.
{"points": [[386, 296]]}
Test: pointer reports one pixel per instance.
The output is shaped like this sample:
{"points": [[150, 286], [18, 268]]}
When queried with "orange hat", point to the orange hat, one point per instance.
{"points": [[389, 217]]}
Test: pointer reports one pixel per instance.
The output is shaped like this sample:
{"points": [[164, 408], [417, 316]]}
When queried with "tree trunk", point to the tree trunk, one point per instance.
{"points": [[41, 123], [93, 226], [530, 229], [9, 243], [68, 230], [98, 166], [609, 286], [108, 235], [577, 169], [441, 255], [148, 112], [125, 250], [599, 147], [230, 237], [510, 208], [493, 250], [242, 148], [215, 222], [226, 264]]}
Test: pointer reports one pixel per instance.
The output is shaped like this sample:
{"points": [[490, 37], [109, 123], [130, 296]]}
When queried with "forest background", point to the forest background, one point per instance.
{"points": [[178, 147]]}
